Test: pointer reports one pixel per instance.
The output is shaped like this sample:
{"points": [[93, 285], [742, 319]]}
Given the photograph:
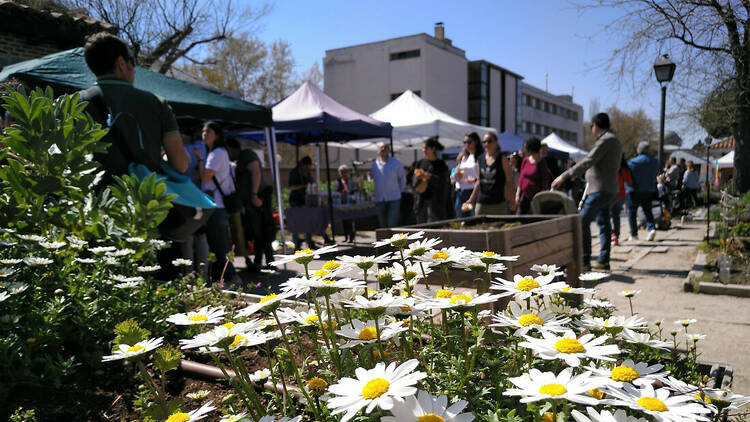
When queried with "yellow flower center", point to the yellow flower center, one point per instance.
{"points": [[320, 273], [178, 417], [444, 294], [527, 284], [316, 383], [569, 345], [329, 281], [135, 349], [265, 299], [628, 291], [375, 388], [566, 289], [237, 340], [528, 319], [624, 374], [441, 255], [596, 393], [368, 333], [312, 319], [331, 265], [653, 404], [488, 254], [465, 298], [198, 318], [548, 417], [430, 417], [553, 389], [705, 399], [304, 252], [228, 326]]}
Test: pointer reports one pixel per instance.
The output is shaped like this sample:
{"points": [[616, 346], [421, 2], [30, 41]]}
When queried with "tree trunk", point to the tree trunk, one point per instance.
{"points": [[742, 152]]}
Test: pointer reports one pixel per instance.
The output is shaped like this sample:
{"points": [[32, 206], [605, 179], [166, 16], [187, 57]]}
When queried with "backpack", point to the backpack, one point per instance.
{"points": [[125, 137]]}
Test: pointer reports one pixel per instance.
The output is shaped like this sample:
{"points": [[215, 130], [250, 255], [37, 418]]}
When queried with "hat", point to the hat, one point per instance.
{"points": [[343, 167], [643, 147]]}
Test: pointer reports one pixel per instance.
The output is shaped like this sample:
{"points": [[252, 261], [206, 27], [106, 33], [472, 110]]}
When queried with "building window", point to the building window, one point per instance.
{"points": [[404, 55], [398, 94]]}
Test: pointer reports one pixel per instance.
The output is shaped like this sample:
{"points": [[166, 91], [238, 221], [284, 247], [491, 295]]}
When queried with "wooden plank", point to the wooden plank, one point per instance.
{"points": [[539, 230], [536, 250], [562, 257]]}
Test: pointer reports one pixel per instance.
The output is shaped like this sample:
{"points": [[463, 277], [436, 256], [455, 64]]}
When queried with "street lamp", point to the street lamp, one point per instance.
{"points": [[664, 71]]}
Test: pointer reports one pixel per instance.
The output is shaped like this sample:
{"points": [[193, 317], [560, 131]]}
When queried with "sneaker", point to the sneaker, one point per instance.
{"points": [[632, 238], [601, 266], [651, 235], [585, 268], [615, 240]]}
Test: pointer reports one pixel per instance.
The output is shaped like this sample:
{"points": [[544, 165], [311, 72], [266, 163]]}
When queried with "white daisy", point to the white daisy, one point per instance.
{"points": [[220, 333], [4, 295], [721, 399], [410, 275], [128, 285], [98, 250], [379, 387], [640, 373], [5, 272], [85, 260], [596, 303], [204, 315], [148, 268], [304, 256], [569, 348], [266, 303], [489, 257], [658, 403], [51, 245], [198, 395], [565, 310], [592, 276], [31, 238], [75, 241], [260, 375], [604, 416], [420, 247], [136, 240], [158, 244], [426, 407], [127, 279], [364, 332], [126, 351], [643, 338], [10, 261], [180, 262], [545, 269], [33, 261], [462, 300], [567, 289], [475, 265], [633, 323], [365, 262], [380, 304], [526, 320], [120, 252], [523, 287], [194, 415], [628, 293], [305, 317], [398, 240], [14, 287], [695, 337], [536, 385], [686, 322], [445, 256], [300, 285]]}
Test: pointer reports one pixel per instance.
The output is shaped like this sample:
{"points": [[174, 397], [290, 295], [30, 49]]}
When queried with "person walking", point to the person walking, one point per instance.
{"points": [[690, 186], [467, 171], [390, 180], [644, 169], [624, 178], [534, 178], [493, 192], [217, 182], [600, 166], [431, 184]]}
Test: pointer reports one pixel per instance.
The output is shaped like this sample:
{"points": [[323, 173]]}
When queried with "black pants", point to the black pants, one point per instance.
{"points": [[260, 227]]}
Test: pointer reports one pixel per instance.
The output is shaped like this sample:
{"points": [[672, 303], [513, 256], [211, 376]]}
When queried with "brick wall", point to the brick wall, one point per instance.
{"points": [[14, 49]]}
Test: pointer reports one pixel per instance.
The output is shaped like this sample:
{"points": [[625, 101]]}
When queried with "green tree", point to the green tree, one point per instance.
{"points": [[631, 128], [708, 39], [716, 111]]}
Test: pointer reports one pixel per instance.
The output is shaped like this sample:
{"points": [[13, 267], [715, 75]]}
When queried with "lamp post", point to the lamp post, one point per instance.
{"points": [[664, 71]]}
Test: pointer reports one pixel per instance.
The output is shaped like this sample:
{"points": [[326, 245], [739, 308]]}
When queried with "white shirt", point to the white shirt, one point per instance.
{"points": [[469, 167], [218, 161], [389, 178]]}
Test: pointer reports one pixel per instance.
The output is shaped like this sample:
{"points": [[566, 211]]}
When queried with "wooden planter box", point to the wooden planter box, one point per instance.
{"points": [[540, 239]]}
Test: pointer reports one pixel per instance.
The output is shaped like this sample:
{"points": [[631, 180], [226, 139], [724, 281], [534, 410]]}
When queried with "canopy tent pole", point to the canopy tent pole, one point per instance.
{"points": [[392, 152], [270, 134], [330, 193]]}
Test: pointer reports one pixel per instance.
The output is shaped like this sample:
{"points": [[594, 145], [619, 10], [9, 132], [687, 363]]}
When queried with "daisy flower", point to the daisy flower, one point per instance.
{"points": [[182, 262], [364, 332], [377, 305], [426, 407], [98, 250], [592, 276], [31, 238], [33, 261], [15, 287], [633, 323], [267, 303], [569, 348], [721, 399], [158, 244], [643, 338], [567, 289], [380, 387], [640, 373], [194, 415], [475, 265], [364, 263], [120, 252], [526, 320], [204, 315], [685, 322], [198, 395], [489, 257], [658, 403], [695, 337], [76, 242], [398, 240], [126, 279], [523, 287], [304, 256], [126, 351], [628, 293], [537, 385], [136, 240], [148, 268], [5, 272], [445, 256], [300, 285], [85, 260], [10, 261], [128, 285], [4, 295], [52, 245], [260, 375], [565, 310], [411, 274], [219, 333], [545, 269], [596, 303], [462, 300], [304, 317], [420, 247], [604, 416]]}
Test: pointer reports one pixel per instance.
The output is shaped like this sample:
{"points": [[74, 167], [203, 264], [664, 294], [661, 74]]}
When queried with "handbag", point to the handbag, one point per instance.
{"points": [[232, 201]]}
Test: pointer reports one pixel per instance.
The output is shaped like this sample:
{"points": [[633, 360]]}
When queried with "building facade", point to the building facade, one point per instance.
{"points": [[544, 113], [494, 97]]}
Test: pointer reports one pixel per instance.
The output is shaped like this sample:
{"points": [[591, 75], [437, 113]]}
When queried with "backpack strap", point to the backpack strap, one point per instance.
{"points": [[104, 109]]}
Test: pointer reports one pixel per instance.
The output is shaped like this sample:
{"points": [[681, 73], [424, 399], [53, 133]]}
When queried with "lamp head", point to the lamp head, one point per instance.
{"points": [[664, 69]]}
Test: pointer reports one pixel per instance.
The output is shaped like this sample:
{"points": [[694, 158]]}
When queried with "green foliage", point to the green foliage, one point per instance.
{"points": [[129, 332], [21, 415], [167, 359], [741, 229], [143, 204], [717, 111]]}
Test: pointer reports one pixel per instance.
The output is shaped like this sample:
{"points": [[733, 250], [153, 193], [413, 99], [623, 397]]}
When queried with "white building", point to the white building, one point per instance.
{"points": [[544, 113]]}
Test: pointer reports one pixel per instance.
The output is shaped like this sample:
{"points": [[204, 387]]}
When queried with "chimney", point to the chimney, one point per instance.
{"points": [[439, 31]]}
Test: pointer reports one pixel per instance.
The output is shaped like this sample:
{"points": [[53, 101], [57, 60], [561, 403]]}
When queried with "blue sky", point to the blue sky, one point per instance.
{"points": [[529, 37]]}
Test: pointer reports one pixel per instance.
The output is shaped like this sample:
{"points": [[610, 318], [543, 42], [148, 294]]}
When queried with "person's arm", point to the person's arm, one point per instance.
{"points": [[207, 173], [176, 154], [508, 184], [593, 157], [254, 169]]}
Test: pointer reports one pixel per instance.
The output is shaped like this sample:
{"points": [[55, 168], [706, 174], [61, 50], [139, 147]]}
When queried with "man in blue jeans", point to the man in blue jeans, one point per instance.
{"points": [[645, 169], [600, 166], [390, 179]]}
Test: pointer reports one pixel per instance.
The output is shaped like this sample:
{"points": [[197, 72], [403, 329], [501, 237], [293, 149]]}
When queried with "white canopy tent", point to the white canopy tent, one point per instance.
{"points": [[726, 161], [414, 120], [557, 143]]}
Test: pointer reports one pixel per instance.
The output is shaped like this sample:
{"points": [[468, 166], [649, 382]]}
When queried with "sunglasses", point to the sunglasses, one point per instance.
{"points": [[467, 142]]}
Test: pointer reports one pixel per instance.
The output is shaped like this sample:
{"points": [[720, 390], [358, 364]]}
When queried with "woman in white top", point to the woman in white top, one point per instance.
{"points": [[217, 167], [467, 170]]}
